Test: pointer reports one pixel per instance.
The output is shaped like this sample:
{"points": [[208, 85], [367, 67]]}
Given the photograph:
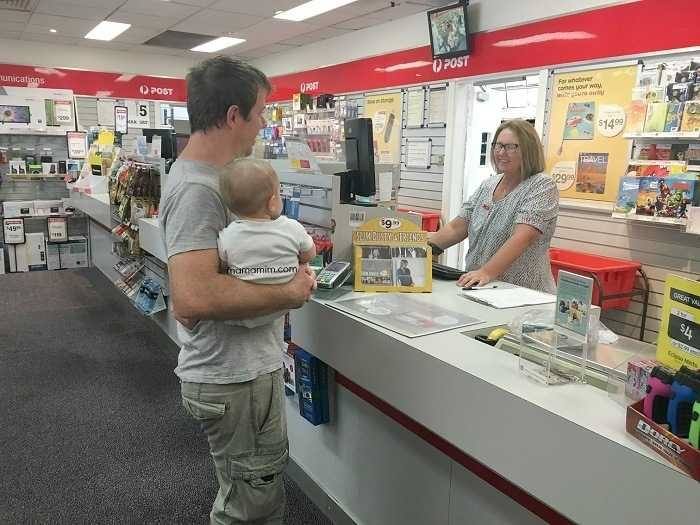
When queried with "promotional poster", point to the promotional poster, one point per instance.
{"points": [[586, 151], [385, 112]]}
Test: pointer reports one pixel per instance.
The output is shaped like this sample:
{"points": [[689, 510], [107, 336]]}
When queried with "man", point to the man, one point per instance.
{"points": [[231, 376]]}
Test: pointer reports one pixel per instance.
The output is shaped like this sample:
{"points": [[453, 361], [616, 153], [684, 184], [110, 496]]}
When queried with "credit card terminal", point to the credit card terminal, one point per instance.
{"points": [[334, 275]]}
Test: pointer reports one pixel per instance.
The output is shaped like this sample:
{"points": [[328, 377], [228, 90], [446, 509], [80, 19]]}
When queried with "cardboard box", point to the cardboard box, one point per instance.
{"points": [[676, 450], [17, 255], [74, 253], [53, 261], [50, 207], [11, 209], [35, 247]]}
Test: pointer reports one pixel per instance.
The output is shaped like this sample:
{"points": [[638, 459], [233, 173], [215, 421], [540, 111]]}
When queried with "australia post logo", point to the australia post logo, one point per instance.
{"points": [[445, 64], [153, 90], [306, 87]]}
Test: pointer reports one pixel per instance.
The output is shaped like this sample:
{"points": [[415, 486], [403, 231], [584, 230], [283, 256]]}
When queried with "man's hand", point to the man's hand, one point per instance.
{"points": [[300, 287], [474, 278]]}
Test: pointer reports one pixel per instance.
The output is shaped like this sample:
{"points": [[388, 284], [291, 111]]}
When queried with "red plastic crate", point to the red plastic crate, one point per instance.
{"points": [[615, 275], [430, 221]]}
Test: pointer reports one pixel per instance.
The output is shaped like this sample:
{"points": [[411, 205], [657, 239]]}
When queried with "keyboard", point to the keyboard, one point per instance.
{"points": [[446, 273]]}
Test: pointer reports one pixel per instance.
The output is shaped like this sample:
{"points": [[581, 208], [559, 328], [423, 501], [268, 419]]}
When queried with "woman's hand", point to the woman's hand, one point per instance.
{"points": [[475, 278]]}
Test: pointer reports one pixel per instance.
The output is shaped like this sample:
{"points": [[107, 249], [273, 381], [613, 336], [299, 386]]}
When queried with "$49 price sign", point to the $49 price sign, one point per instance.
{"points": [[13, 230], [611, 120]]}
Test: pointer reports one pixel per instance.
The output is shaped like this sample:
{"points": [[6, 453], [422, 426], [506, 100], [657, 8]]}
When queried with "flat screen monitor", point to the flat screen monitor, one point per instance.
{"points": [[359, 156], [168, 142], [449, 30], [14, 114]]}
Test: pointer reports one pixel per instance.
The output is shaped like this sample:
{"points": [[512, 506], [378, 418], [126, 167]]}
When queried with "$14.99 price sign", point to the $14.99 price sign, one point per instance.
{"points": [[611, 120]]}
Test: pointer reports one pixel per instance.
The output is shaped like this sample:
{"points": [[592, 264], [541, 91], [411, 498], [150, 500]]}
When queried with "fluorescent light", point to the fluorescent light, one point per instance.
{"points": [[52, 31], [311, 9], [107, 30], [218, 44]]}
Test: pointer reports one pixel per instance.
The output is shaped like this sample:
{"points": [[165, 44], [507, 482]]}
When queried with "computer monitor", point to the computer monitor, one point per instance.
{"points": [[359, 158], [168, 142]]}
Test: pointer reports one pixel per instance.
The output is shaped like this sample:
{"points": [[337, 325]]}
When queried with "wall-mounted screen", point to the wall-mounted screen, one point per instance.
{"points": [[449, 30], [14, 115]]}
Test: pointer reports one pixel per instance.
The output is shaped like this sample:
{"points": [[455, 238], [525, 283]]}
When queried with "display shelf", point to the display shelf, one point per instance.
{"points": [[661, 221], [96, 206], [28, 131], [670, 135], [150, 238]]}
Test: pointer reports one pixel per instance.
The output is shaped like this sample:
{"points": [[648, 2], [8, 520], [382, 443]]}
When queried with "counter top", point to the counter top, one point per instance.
{"points": [[566, 445]]}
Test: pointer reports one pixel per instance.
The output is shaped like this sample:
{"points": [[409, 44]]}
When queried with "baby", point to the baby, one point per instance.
{"points": [[260, 245]]}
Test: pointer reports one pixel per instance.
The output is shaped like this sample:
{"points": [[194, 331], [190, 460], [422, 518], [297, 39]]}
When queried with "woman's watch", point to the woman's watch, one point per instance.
{"points": [[436, 249]]}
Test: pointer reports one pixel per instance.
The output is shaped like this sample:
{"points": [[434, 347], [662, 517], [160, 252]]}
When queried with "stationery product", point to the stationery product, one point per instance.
{"points": [[658, 394], [508, 297], [656, 117], [691, 117], [685, 391], [674, 116], [636, 113], [627, 195]]}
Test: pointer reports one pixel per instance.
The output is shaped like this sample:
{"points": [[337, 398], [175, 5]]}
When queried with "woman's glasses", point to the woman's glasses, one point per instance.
{"points": [[510, 148]]}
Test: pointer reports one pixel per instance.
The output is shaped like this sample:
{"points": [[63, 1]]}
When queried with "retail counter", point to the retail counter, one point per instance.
{"points": [[444, 430], [564, 445]]}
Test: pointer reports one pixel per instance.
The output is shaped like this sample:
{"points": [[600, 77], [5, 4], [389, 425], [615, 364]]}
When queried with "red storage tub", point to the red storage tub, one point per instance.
{"points": [[615, 275], [430, 221]]}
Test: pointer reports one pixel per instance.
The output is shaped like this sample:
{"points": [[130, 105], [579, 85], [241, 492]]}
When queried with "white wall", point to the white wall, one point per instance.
{"points": [[95, 59], [412, 31]]}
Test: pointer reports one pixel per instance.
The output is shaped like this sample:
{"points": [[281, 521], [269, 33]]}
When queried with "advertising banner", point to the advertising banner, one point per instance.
{"points": [[385, 112], [586, 150]]}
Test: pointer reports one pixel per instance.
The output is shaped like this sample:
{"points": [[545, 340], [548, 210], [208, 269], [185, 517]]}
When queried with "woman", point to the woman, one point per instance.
{"points": [[511, 217]]}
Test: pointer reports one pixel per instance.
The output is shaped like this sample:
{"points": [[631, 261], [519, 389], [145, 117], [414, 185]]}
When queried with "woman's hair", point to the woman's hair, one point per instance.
{"points": [[531, 150]]}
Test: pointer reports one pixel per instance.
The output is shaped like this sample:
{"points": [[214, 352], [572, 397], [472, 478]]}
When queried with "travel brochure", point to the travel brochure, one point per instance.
{"points": [[574, 294]]}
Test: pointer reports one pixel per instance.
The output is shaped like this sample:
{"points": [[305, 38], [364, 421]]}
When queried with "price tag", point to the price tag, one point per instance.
{"points": [[63, 112], [685, 331], [564, 174], [14, 231], [390, 223], [58, 229], [139, 113], [77, 144], [121, 116], [611, 120]]}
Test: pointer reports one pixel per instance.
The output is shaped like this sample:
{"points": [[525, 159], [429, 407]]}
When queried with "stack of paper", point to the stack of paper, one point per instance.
{"points": [[509, 297]]}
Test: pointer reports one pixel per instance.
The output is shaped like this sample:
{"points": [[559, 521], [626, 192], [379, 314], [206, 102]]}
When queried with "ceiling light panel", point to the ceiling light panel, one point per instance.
{"points": [[107, 30], [312, 9], [218, 44]]}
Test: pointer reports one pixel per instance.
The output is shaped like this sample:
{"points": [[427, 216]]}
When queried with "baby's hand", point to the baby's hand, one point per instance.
{"points": [[187, 323]]}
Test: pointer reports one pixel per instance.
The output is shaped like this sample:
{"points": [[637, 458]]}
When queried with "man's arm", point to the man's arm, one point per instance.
{"points": [[199, 291]]}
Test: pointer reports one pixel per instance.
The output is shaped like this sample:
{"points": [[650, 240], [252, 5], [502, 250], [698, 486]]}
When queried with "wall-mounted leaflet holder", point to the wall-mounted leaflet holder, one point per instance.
{"points": [[121, 119], [437, 107], [419, 153], [415, 106]]}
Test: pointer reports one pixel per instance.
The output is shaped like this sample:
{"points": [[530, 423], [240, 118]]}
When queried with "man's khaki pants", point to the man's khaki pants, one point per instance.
{"points": [[246, 427]]}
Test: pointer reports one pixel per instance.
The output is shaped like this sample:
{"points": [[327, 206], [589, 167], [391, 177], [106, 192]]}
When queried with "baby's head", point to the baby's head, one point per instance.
{"points": [[250, 188]]}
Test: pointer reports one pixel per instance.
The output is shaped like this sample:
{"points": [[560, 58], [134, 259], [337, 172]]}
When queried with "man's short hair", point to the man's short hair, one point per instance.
{"points": [[246, 185], [218, 83]]}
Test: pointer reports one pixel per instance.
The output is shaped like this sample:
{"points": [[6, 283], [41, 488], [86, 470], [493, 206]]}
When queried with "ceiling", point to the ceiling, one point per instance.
{"points": [[249, 19]]}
